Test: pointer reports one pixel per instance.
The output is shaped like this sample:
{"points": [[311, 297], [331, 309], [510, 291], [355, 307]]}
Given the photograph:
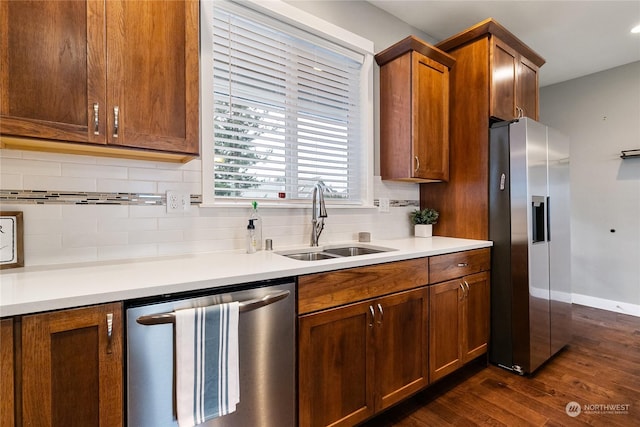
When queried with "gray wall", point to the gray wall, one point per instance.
{"points": [[601, 115]]}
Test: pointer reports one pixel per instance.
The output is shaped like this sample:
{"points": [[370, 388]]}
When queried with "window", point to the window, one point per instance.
{"points": [[285, 108]]}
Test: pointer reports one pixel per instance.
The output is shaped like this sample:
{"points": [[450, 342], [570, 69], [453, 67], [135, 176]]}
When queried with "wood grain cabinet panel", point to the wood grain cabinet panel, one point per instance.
{"points": [[401, 359], [458, 323], [72, 367], [361, 358], [445, 328], [325, 290], [414, 112], [102, 73], [495, 77], [152, 74], [514, 83], [7, 374], [459, 311], [53, 69], [336, 367], [477, 315]]}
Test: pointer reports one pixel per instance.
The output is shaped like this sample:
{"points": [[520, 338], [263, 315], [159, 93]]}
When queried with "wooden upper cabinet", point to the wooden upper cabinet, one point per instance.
{"points": [[52, 69], [504, 69], [495, 75], [513, 69], [414, 112], [528, 89], [104, 73], [72, 367], [152, 74], [514, 83]]}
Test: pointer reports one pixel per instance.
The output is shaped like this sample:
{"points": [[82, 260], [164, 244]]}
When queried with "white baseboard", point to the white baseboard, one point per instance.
{"points": [[606, 304]]}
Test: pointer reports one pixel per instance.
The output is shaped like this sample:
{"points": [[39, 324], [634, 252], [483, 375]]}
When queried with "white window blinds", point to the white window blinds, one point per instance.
{"points": [[286, 111]]}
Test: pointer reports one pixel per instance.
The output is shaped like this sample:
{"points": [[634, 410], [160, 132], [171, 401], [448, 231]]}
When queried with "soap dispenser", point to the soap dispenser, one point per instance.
{"points": [[257, 223], [251, 238]]}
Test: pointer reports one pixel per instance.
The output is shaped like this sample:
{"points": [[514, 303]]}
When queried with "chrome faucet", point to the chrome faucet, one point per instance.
{"points": [[319, 212]]}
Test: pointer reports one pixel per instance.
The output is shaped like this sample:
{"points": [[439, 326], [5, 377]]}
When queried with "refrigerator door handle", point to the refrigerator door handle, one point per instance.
{"points": [[538, 214], [548, 219]]}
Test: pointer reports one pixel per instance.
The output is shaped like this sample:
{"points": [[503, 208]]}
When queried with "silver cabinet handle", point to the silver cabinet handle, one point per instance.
{"points": [[463, 264], [519, 112], [244, 306], [467, 285], [116, 119], [381, 314], [373, 316], [109, 332], [463, 292], [417, 163], [96, 119]]}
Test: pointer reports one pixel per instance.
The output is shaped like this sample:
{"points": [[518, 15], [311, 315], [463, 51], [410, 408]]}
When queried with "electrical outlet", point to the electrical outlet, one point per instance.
{"points": [[383, 205], [174, 202], [178, 202]]}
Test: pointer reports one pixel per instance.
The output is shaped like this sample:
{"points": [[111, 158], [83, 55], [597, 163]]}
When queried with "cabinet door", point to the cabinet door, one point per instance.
{"points": [[445, 328], [6, 373], [430, 119], [527, 95], [401, 363], [504, 66], [152, 57], [72, 367], [335, 363], [476, 315], [52, 70]]}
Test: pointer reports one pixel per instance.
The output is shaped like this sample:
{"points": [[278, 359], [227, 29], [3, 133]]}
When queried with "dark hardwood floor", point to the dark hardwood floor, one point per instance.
{"points": [[600, 366]]}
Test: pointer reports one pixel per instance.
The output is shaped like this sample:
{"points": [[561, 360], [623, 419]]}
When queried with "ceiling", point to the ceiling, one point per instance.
{"points": [[576, 38]]}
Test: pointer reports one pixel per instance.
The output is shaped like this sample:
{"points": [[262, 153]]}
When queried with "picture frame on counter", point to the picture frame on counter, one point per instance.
{"points": [[11, 239]]}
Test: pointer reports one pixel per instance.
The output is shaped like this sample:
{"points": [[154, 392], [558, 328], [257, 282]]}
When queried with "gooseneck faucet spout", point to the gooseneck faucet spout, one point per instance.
{"points": [[319, 213]]}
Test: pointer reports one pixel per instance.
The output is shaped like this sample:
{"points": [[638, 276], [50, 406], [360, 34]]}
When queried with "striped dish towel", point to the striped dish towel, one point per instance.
{"points": [[207, 374]]}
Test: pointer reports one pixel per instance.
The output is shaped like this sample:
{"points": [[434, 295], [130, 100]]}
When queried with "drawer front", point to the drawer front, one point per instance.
{"points": [[335, 288], [458, 264]]}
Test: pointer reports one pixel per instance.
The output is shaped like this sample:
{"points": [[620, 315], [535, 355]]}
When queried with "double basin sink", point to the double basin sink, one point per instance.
{"points": [[332, 252]]}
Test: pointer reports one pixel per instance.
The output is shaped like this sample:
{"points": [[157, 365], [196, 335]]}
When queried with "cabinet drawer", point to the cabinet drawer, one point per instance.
{"points": [[335, 288], [458, 264]]}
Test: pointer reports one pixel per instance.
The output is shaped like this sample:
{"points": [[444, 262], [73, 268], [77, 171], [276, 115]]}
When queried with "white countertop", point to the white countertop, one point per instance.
{"points": [[35, 289]]}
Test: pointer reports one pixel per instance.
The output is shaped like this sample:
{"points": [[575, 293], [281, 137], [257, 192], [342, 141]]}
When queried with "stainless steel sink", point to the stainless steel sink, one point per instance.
{"points": [[310, 256], [332, 252], [353, 251]]}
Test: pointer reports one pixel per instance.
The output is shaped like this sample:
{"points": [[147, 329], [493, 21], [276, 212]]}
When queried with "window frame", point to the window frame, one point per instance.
{"points": [[306, 22]]}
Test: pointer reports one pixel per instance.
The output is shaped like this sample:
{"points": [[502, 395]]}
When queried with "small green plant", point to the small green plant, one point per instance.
{"points": [[424, 216]]}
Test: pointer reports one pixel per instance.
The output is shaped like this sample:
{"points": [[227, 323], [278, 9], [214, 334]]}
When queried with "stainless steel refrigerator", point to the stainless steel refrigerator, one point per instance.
{"points": [[529, 226]]}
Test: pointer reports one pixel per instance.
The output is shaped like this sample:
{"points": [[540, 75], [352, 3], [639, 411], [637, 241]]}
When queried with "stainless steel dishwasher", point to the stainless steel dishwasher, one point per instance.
{"points": [[266, 329]]}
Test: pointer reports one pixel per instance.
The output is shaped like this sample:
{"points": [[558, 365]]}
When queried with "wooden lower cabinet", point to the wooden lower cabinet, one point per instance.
{"points": [[458, 323], [358, 359], [72, 367], [6, 374]]}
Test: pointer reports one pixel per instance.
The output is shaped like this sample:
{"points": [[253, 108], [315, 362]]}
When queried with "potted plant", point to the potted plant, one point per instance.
{"points": [[423, 220]]}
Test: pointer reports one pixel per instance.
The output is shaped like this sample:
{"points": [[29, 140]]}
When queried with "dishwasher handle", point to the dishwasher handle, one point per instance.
{"points": [[244, 306]]}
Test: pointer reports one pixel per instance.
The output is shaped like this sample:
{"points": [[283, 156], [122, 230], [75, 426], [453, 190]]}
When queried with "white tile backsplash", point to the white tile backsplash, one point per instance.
{"points": [[76, 233]]}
